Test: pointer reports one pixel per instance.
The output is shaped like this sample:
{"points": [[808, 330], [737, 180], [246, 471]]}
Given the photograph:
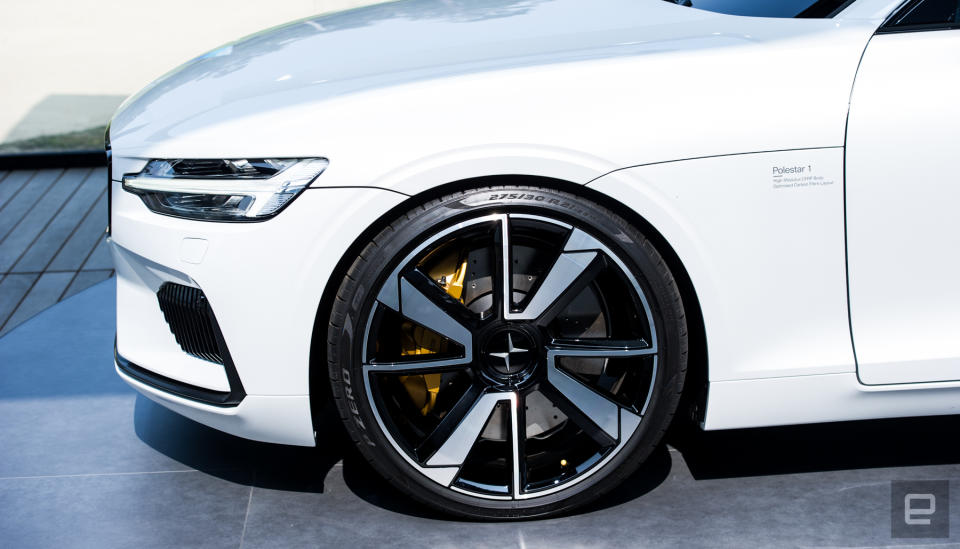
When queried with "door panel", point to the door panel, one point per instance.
{"points": [[903, 208]]}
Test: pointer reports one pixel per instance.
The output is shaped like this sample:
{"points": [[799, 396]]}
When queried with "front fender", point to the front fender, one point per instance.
{"points": [[765, 254], [491, 160]]}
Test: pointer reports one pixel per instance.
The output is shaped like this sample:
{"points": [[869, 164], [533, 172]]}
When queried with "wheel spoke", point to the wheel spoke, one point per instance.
{"points": [[580, 241], [518, 435], [597, 409], [571, 272], [600, 348], [577, 414], [574, 269], [425, 303], [412, 367], [502, 284], [460, 429]]}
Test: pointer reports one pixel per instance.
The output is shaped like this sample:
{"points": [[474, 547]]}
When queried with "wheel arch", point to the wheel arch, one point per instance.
{"points": [[695, 388]]}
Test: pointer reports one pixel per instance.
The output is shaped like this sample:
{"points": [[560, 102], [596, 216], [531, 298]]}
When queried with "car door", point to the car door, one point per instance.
{"points": [[903, 198]]}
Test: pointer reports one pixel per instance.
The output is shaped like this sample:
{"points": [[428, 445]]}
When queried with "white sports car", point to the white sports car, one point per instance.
{"points": [[508, 238]]}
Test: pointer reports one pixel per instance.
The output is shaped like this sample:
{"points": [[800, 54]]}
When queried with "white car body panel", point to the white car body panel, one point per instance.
{"points": [[764, 253], [679, 114], [904, 231]]}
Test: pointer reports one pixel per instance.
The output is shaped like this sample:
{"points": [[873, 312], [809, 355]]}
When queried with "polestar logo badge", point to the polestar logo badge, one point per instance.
{"points": [[511, 350]]}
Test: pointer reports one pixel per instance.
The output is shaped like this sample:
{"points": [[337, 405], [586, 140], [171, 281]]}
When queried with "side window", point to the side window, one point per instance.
{"points": [[919, 15]]}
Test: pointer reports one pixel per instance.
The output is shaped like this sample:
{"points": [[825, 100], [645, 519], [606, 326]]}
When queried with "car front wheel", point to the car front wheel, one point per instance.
{"points": [[507, 352]]}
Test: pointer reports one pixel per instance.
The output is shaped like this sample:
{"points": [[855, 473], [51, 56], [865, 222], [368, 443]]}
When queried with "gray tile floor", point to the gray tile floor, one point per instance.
{"points": [[52, 241], [85, 462]]}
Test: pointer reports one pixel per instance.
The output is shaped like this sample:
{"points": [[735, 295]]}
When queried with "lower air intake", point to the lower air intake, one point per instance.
{"points": [[191, 320]]}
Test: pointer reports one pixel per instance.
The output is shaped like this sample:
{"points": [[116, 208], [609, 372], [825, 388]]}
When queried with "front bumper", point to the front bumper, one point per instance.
{"points": [[263, 280], [224, 399], [279, 419]]}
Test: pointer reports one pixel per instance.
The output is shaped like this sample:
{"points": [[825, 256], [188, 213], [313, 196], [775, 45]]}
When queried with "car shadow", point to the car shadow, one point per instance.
{"points": [[890, 443], [261, 464], [869, 444]]}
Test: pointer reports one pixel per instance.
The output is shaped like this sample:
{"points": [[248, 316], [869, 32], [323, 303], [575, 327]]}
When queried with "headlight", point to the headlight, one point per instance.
{"points": [[223, 190]]}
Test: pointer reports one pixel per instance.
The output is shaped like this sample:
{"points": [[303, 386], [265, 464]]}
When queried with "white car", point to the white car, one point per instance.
{"points": [[506, 237]]}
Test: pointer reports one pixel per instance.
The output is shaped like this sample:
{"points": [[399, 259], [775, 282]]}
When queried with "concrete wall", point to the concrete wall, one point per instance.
{"points": [[65, 65]]}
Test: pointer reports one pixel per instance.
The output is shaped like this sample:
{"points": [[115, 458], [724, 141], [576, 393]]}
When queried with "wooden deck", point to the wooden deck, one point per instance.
{"points": [[52, 238]]}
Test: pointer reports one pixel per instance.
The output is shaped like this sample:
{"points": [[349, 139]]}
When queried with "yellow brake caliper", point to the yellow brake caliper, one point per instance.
{"points": [[416, 340]]}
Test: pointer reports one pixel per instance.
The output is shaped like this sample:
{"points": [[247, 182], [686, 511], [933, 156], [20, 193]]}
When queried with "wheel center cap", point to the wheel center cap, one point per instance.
{"points": [[510, 353]]}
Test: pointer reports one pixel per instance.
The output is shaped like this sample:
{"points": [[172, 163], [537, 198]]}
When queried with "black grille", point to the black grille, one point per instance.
{"points": [[190, 319]]}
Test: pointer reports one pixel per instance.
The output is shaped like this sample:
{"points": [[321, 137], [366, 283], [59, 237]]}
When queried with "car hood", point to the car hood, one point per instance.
{"points": [[401, 42]]}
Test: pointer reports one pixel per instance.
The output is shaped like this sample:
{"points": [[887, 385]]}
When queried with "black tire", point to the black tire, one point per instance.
{"points": [[357, 298]]}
